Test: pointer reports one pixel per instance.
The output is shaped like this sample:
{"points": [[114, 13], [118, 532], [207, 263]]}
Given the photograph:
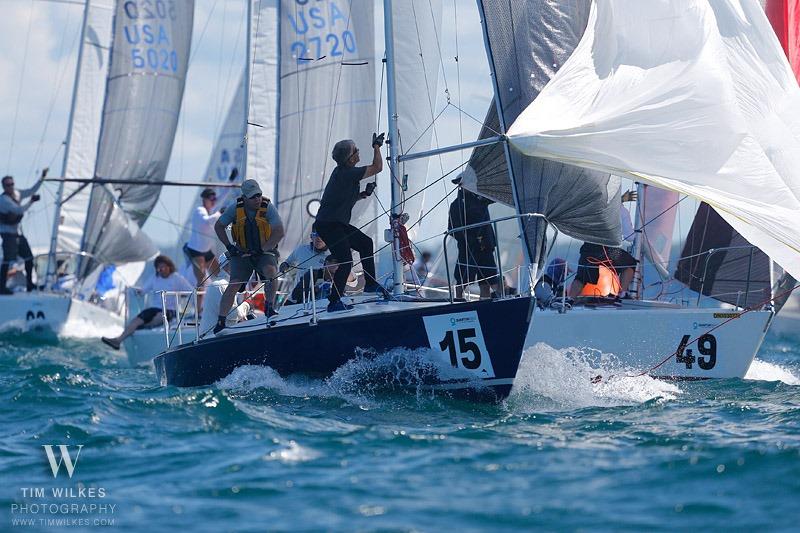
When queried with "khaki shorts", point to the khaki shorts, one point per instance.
{"points": [[243, 267]]}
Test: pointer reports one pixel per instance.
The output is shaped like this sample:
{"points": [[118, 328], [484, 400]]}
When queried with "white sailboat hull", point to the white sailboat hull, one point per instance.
{"points": [[55, 315], [637, 340]]}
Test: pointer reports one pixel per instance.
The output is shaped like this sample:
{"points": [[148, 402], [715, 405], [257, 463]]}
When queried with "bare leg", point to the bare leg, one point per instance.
{"points": [[626, 279], [484, 288], [199, 269], [270, 287], [132, 326], [226, 302]]}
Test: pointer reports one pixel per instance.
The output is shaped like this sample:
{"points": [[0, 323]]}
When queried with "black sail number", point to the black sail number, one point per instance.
{"points": [[706, 345], [465, 347]]}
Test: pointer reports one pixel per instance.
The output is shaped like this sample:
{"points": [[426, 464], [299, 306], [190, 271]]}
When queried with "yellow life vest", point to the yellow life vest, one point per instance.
{"points": [[239, 226]]}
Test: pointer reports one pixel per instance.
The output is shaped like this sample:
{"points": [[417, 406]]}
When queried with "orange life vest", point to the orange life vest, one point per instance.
{"points": [[607, 284], [239, 226]]}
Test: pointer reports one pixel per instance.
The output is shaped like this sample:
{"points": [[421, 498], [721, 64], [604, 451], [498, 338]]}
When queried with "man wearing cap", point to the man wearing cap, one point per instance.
{"points": [[14, 242], [200, 248], [256, 228], [333, 218]]}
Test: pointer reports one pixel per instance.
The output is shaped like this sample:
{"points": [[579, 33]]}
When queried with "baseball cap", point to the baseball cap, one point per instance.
{"points": [[250, 188], [208, 192]]}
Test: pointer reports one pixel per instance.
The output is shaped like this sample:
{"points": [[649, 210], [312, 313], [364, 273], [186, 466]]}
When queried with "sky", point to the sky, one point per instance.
{"points": [[40, 39]]}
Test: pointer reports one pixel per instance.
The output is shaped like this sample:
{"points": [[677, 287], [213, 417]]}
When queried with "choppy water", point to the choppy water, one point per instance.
{"points": [[359, 453]]}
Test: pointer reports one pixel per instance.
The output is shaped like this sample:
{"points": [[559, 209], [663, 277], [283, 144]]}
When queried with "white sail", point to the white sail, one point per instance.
{"points": [[149, 59], [688, 95], [262, 94], [327, 93], [417, 32], [227, 155], [81, 149]]}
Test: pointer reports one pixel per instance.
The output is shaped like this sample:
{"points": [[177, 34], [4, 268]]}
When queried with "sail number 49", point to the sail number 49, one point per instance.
{"points": [[465, 346], [706, 345]]}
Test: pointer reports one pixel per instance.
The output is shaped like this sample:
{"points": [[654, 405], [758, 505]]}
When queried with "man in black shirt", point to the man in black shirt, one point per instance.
{"points": [[333, 218]]}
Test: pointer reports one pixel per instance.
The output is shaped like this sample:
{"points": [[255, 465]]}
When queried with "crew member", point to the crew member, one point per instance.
{"points": [[200, 248], [476, 245], [14, 242], [333, 218], [165, 279], [304, 259], [257, 229]]}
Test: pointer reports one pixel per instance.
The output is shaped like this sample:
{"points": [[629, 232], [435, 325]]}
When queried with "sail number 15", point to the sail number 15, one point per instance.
{"points": [[465, 346]]}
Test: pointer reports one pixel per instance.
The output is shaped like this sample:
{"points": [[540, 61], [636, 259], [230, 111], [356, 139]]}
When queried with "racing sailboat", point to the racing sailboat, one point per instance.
{"points": [[122, 122], [467, 345], [706, 106]]}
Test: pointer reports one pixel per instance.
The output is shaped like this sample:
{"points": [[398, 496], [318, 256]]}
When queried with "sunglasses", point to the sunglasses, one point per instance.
{"points": [[256, 195]]}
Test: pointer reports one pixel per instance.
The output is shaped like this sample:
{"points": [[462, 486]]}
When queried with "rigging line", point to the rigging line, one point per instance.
{"points": [[655, 217], [478, 121], [458, 75], [380, 93], [19, 90], [429, 126], [202, 34], [58, 81], [217, 111], [431, 105]]}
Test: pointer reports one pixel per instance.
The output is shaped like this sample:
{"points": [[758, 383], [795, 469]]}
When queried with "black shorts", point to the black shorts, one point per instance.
{"points": [[14, 246], [209, 255], [592, 255], [150, 313], [476, 266]]}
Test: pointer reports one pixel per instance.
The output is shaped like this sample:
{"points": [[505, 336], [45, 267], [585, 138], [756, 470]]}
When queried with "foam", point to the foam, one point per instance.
{"points": [[764, 371], [563, 379]]}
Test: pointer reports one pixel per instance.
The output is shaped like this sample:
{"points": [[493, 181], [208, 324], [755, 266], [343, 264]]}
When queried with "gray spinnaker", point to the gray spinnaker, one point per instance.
{"points": [[147, 74], [529, 41], [327, 93]]}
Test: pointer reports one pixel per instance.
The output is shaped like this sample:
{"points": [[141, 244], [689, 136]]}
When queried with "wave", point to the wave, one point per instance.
{"points": [[567, 379], [764, 371]]}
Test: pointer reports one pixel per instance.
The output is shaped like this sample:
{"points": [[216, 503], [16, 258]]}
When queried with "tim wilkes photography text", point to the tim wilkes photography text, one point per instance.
{"points": [[57, 504]]}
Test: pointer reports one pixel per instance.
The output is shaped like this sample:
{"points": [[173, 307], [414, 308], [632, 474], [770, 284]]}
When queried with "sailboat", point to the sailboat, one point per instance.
{"points": [[467, 346], [707, 106], [115, 133]]}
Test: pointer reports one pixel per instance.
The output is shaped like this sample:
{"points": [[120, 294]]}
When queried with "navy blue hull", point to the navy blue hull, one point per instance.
{"points": [[318, 350]]}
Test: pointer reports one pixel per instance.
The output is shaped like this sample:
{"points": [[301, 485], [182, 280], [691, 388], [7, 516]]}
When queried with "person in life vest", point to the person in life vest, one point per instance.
{"points": [[256, 228], [606, 270], [333, 218], [14, 242]]}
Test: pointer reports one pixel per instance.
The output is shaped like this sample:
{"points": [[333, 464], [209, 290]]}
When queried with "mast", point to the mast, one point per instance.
{"points": [[247, 82], [391, 108], [533, 262], [51, 263], [638, 241]]}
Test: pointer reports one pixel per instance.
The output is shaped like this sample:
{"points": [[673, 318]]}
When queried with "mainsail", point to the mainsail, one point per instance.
{"points": [[147, 73], [327, 93], [81, 146], [687, 95], [529, 41]]}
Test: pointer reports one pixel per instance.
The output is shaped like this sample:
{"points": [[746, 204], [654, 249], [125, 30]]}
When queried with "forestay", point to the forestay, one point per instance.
{"points": [[149, 58], [327, 93], [81, 146], [529, 42], [688, 95]]}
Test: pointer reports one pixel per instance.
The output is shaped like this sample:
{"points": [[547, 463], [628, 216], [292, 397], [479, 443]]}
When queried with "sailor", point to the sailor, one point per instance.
{"points": [[14, 242], [333, 218], [200, 247], [304, 259], [475, 246], [595, 257], [257, 229], [165, 279]]}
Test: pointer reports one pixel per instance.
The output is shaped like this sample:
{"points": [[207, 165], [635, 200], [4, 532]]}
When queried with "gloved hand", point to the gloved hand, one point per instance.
{"points": [[370, 188], [284, 267], [378, 140], [44, 172], [35, 198], [233, 250], [234, 174]]}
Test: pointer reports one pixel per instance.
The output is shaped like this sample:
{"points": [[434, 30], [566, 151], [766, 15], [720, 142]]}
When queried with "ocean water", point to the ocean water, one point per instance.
{"points": [[363, 451]]}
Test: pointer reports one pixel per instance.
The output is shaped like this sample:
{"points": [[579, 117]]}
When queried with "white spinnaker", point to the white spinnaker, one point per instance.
{"points": [[689, 95], [417, 31], [262, 94], [87, 115]]}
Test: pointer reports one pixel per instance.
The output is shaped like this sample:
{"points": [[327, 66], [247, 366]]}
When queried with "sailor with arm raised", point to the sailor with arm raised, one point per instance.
{"points": [[14, 242]]}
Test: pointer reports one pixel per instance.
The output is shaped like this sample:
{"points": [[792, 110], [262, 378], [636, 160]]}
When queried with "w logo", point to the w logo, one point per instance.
{"points": [[64, 457]]}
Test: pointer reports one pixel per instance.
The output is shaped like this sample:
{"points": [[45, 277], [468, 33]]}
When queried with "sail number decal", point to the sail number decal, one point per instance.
{"points": [[458, 338], [147, 26], [320, 31], [706, 345]]}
